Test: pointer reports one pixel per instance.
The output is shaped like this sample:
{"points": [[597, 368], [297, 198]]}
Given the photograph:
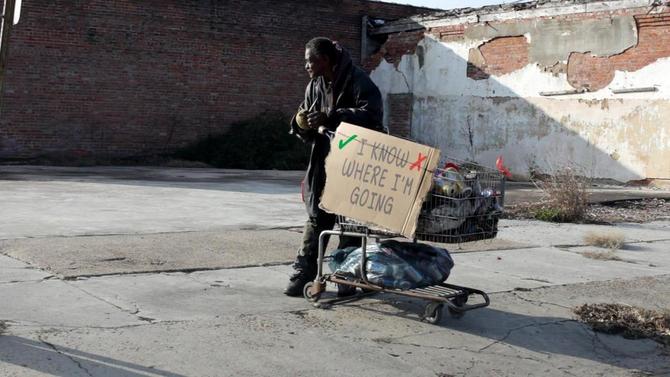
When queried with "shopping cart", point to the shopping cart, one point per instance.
{"points": [[465, 203]]}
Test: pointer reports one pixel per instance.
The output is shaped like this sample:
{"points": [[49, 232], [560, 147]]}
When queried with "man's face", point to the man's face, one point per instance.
{"points": [[315, 65]]}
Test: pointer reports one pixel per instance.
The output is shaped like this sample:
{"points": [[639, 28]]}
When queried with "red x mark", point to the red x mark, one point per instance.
{"points": [[417, 163]]}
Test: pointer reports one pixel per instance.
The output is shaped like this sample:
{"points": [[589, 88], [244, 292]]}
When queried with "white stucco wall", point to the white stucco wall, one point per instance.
{"points": [[618, 136]]}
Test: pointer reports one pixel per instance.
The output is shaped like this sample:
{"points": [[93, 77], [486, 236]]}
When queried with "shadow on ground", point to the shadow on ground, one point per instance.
{"points": [[535, 334], [41, 356], [243, 181]]}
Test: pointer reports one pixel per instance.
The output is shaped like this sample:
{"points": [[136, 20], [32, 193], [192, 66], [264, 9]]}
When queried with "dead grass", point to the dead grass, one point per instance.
{"points": [[629, 211], [612, 241], [629, 321], [567, 197], [598, 255]]}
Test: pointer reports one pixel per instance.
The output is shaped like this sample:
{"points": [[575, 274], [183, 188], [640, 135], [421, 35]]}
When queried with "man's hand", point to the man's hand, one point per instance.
{"points": [[316, 119]]}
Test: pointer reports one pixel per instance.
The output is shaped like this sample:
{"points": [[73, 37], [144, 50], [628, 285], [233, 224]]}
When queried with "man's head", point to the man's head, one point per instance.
{"points": [[320, 57]]}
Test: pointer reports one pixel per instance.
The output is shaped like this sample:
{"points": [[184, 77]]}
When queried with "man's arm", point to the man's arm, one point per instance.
{"points": [[302, 134]]}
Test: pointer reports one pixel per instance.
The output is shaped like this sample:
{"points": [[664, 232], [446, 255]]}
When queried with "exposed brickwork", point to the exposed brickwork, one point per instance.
{"points": [[503, 55], [123, 78], [586, 71], [498, 56], [396, 46], [400, 114], [448, 33], [589, 72]]}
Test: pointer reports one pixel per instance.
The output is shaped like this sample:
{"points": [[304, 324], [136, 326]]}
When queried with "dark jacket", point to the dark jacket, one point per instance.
{"points": [[355, 99]]}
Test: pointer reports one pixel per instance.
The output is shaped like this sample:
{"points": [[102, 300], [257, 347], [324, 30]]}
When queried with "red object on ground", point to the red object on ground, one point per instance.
{"points": [[502, 168]]}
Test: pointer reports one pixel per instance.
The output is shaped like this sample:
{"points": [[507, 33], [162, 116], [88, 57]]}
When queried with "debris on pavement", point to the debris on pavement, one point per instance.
{"points": [[632, 211], [597, 255], [609, 240], [629, 321], [629, 211]]}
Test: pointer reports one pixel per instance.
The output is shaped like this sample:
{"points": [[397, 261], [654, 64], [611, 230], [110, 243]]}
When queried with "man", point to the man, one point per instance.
{"points": [[338, 92]]}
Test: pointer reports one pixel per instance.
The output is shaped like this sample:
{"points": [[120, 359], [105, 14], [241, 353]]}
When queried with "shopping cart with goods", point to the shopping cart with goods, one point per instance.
{"points": [[464, 204]]}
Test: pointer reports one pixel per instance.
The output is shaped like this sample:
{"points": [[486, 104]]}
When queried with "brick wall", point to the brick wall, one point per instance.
{"points": [[617, 136], [126, 78], [400, 114], [396, 46], [497, 57], [506, 54]]}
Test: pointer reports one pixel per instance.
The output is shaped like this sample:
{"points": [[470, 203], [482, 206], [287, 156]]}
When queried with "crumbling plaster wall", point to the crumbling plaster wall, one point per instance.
{"points": [[475, 106]]}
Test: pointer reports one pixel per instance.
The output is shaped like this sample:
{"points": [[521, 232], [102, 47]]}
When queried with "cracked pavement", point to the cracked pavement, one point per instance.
{"points": [[92, 292]]}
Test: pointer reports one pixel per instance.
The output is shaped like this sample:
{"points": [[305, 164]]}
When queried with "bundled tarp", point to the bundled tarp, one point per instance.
{"points": [[394, 264]]}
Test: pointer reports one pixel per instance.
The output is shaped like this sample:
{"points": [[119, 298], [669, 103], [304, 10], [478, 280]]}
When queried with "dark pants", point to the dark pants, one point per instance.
{"points": [[308, 254]]}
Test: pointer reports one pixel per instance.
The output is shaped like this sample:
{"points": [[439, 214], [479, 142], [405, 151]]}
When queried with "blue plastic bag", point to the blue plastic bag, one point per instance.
{"points": [[394, 264]]}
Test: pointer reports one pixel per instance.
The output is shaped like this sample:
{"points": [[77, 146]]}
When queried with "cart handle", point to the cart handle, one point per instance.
{"points": [[326, 132]]}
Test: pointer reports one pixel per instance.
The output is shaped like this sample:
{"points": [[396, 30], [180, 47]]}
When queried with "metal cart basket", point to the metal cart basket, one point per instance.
{"points": [[464, 204]]}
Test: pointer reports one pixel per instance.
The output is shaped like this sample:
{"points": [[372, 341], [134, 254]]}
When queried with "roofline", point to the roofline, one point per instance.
{"points": [[515, 11], [427, 9]]}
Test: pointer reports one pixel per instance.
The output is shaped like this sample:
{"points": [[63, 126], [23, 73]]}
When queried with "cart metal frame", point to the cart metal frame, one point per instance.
{"points": [[454, 297]]}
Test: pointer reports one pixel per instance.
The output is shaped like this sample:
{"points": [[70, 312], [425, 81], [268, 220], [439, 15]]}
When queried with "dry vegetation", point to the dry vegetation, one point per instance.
{"points": [[567, 197], [612, 241], [631, 211], [629, 321]]}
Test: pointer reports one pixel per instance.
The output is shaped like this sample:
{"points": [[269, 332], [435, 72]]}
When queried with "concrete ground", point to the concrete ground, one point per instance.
{"points": [[179, 272]]}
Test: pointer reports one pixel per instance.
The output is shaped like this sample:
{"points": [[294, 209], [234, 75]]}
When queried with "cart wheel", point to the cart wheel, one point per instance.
{"points": [[307, 292], [458, 301], [432, 313]]}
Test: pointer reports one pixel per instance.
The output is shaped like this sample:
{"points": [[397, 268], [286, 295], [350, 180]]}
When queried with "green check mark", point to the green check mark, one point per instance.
{"points": [[343, 143]]}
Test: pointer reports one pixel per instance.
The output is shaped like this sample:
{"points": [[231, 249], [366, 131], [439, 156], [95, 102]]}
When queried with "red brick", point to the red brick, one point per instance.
{"points": [[400, 114], [497, 57], [126, 78], [396, 46]]}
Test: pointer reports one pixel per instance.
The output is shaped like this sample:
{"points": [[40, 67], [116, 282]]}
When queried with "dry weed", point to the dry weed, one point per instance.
{"points": [[567, 197], [629, 321], [3, 327], [612, 241]]}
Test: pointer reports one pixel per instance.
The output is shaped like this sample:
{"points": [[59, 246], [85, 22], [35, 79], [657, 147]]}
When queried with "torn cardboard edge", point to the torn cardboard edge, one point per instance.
{"points": [[377, 180], [426, 185]]}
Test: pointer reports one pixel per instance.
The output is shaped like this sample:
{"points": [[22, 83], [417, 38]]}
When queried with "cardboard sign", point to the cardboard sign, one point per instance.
{"points": [[377, 179]]}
